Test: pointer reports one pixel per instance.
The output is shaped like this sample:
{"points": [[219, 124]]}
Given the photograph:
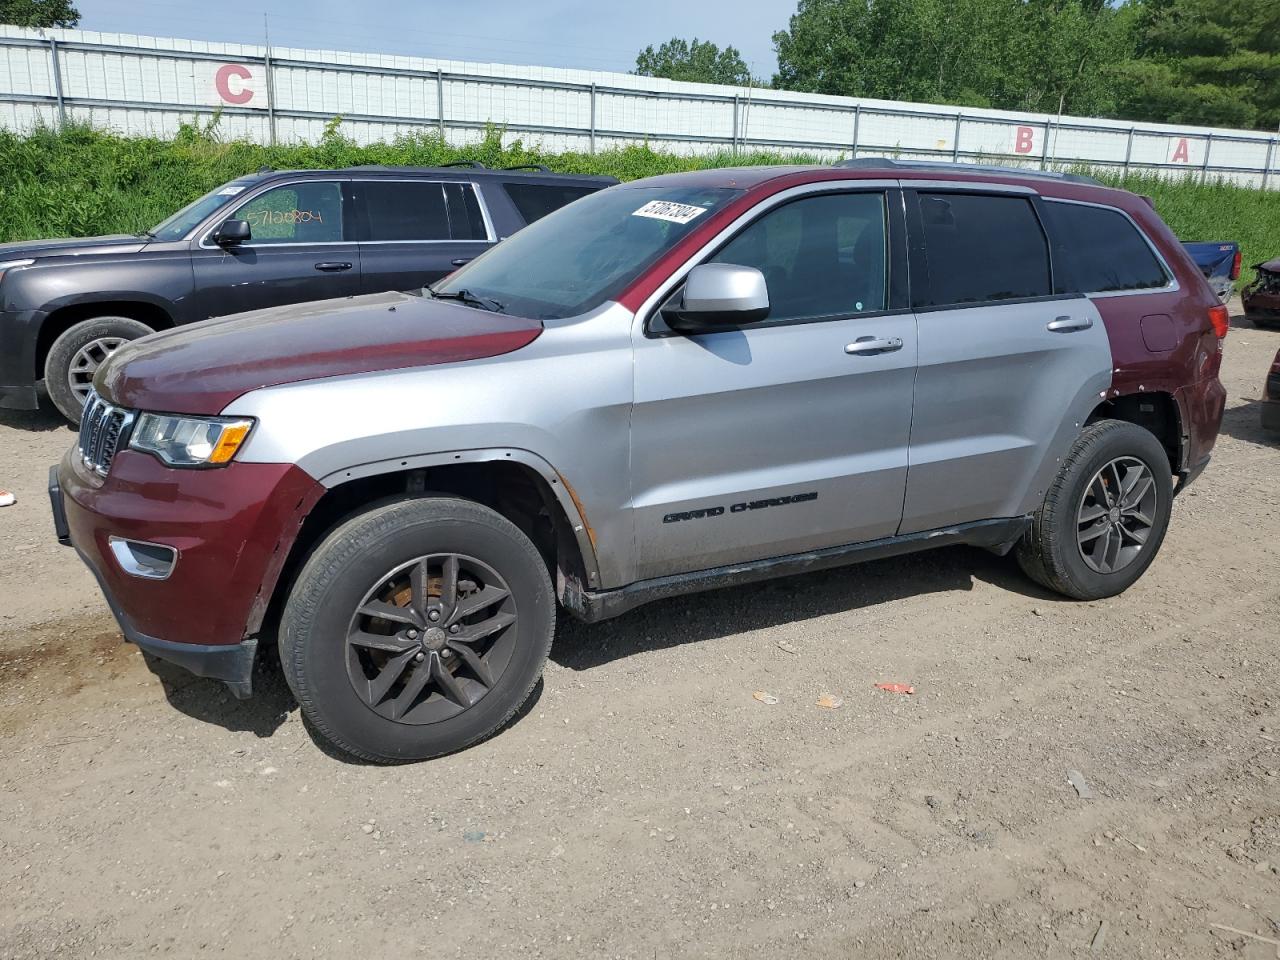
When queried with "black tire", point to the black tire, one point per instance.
{"points": [[68, 348], [1051, 551], [338, 583]]}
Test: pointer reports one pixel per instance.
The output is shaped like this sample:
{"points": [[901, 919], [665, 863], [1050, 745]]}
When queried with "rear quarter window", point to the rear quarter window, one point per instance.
{"points": [[536, 200], [1099, 250]]}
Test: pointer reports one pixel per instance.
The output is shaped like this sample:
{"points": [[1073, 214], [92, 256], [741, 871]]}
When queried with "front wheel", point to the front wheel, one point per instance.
{"points": [[76, 355], [1104, 516], [417, 629]]}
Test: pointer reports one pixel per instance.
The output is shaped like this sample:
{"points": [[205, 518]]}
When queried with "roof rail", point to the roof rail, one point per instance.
{"points": [[474, 164], [879, 163], [266, 169], [540, 167]]}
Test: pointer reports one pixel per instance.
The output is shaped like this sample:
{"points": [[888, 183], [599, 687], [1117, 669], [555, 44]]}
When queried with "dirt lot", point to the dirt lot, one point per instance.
{"points": [[648, 806]]}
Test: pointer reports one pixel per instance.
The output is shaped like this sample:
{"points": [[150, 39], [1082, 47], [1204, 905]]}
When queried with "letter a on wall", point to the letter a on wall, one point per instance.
{"points": [[1181, 153], [1024, 140]]}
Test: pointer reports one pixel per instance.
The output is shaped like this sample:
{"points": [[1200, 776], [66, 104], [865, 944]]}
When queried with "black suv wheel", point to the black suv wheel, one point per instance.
{"points": [[1105, 515], [76, 355], [417, 629]]}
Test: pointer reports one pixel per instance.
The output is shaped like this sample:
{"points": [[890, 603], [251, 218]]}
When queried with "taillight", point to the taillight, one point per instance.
{"points": [[1220, 320], [1235, 265]]}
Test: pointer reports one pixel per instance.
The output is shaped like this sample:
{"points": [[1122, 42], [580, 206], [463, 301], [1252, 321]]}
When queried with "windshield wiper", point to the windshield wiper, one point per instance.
{"points": [[146, 233], [470, 299]]}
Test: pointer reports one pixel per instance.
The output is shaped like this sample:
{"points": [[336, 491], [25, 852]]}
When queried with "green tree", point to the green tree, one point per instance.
{"points": [[699, 61], [1043, 55], [1211, 62], [39, 13]]}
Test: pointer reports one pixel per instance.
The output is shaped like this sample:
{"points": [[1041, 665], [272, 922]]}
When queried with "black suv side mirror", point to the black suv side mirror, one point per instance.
{"points": [[718, 295], [231, 233]]}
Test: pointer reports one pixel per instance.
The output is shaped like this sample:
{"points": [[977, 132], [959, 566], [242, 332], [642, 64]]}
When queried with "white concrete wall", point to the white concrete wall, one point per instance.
{"points": [[148, 85]]}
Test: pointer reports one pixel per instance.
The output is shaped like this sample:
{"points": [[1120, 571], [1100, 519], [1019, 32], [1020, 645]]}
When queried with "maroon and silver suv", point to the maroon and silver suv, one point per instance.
{"points": [[674, 384]]}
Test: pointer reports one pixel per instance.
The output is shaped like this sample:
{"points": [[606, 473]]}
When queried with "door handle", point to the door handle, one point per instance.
{"points": [[869, 345], [461, 261], [332, 266], [1067, 324]]}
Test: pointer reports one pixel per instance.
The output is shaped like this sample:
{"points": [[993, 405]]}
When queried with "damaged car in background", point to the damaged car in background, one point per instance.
{"points": [[1261, 298]]}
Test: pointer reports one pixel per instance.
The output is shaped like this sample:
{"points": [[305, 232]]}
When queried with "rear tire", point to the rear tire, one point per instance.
{"points": [[389, 662], [76, 355], [1086, 542]]}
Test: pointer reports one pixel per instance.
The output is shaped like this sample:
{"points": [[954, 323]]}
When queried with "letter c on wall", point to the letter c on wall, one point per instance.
{"points": [[222, 82]]}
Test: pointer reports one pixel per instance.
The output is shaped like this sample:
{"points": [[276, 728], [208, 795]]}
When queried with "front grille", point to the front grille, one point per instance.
{"points": [[103, 428]]}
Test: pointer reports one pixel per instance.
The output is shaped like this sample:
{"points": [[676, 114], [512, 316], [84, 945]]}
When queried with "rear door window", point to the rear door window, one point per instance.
{"points": [[309, 212], [982, 248], [1096, 250], [466, 222], [536, 200], [404, 210], [821, 256]]}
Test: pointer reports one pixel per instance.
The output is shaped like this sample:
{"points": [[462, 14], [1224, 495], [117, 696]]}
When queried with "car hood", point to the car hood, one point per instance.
{"points": [[203, 367], [121, 243], [1271, 266]]}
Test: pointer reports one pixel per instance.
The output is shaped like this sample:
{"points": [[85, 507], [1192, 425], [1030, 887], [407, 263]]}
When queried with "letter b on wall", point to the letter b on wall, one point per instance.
{"points": [[1024, 140]]}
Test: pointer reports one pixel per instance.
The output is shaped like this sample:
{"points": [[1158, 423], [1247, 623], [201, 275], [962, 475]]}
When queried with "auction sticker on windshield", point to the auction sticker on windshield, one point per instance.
{"points": [[667, 210]]}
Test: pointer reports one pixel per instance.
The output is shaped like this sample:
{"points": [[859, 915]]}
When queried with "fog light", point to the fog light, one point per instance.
{"points": [[138, 558]]}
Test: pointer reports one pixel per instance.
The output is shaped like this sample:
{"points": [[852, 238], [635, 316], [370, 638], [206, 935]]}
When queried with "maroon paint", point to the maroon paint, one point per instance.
{"points": [[233, 527], [202, 367]]}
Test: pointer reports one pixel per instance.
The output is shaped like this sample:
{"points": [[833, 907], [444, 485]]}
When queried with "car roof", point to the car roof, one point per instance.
{"points": [[1047, 182], [467, 170]]}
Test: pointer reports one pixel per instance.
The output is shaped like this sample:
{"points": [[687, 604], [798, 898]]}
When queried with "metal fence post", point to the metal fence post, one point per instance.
{"points": [[1044, 154], [592, 136], [57, 82], [440, 102], [735, 123], [955, 140], [857, 118], [1266, 167], [1204, 167], [271, 96], [1128, 150]]}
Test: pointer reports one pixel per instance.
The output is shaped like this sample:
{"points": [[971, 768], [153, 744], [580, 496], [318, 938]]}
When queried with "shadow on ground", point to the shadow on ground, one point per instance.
{"points": [[721, 613], [44, 420], [210, 701]]}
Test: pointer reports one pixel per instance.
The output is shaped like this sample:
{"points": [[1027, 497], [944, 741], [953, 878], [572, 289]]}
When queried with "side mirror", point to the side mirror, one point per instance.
{"points": [[716, 295], [231, 233]]}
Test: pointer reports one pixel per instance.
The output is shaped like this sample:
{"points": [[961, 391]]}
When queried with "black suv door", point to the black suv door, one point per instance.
{"points": [[300, 249], [412, 231]]}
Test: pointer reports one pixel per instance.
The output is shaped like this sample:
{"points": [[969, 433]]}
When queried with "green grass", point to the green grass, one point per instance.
{"points": [[81, 181]]}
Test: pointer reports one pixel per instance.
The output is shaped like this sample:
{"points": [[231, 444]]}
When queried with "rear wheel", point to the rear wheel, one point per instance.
{"points": [[76, 355], [1105, 515], [417, 629]]}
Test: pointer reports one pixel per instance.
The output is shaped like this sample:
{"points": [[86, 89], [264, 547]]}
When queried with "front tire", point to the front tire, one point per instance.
{"points": [[417, 629], [1104, 516], [76, 355]]}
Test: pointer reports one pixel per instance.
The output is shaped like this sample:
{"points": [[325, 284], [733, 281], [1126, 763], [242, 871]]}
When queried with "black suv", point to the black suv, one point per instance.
{"points": [[272, 238]]}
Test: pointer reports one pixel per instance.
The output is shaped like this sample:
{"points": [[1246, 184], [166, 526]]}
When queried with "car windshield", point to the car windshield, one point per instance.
{"points": [[583, 254], [188, 218]]}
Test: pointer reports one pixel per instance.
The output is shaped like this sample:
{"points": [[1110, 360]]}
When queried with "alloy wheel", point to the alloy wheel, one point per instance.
{"points": [[431, 639], [86, 362], [1116, 515]]}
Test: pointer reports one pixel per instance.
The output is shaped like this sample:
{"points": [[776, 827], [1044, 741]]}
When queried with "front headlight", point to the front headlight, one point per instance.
{"points": [[189, 441]]}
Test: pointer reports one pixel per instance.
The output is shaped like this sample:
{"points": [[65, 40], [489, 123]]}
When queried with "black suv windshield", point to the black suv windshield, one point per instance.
{"points": [[576, 258], [185, 220]]}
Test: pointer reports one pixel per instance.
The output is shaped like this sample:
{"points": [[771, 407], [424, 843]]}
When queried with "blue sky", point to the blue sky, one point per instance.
{"points": [[603, 35]]}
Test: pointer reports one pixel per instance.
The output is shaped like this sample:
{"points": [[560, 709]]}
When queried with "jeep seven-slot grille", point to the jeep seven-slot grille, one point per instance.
{"points": [[102, 428]]}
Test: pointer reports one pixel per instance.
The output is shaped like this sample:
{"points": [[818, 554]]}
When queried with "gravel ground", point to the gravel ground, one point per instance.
{"points": [[646, 805]]}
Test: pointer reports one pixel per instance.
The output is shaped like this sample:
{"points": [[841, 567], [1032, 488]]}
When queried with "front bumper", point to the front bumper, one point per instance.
{"points": [[232, 529]]}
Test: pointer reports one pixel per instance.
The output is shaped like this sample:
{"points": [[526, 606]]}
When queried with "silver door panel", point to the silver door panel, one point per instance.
{"points": [[998, 401]]}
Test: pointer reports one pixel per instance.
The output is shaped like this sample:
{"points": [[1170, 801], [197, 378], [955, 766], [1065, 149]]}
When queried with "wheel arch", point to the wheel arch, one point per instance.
{"points": [[62, 318], [1156, 411], [518, 485]]}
